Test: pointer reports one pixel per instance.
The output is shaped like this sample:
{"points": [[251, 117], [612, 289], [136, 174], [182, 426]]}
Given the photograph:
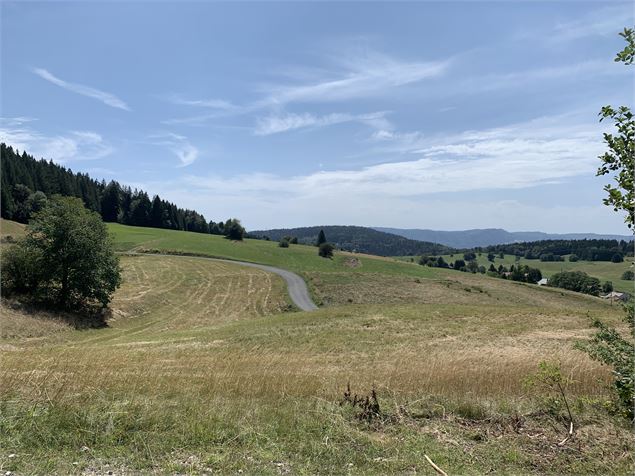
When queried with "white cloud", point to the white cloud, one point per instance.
{"points": [[274, 124], [203, 103], [179, 145], [355, 76], [362, 76], [524, 155], [532, 77], [71, 146], [107, 98], [601, 22]]}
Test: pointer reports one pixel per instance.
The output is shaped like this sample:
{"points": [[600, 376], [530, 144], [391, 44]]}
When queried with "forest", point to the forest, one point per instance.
{"points": [[554, 250], [28, 182]]}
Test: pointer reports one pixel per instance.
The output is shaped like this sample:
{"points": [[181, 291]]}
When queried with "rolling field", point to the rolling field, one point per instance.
{"points": [[603, 270], [204, 369]]}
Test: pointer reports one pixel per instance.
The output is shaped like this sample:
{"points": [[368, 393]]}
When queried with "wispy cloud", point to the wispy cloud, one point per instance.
{"points": [[68, 147], [528, 154], [351, 77], [203, 103], [357, 77], [274, 124], [601, 22], [107, 98], [537, 76], [179, 145]]}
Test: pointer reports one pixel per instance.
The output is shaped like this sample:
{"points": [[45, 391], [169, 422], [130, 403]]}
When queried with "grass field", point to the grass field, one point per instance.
{"points": [[203, 369], [603, 270]]}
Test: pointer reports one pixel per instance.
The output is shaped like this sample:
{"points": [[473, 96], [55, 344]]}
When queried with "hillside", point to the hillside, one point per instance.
{"points": [[203, 369], [357, 238], [491, 236]]}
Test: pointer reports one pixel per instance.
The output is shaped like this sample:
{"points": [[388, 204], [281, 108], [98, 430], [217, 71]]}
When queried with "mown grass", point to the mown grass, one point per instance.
{"points": [[200, 371], [203, 369]]}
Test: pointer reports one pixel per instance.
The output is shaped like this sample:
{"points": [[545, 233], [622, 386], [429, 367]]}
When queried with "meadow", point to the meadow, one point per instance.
{"points": [[205, 368], [603, 270]]}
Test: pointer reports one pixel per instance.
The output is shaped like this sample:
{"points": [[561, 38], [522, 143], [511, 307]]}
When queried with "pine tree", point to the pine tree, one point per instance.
{"points": [[321, 238]]}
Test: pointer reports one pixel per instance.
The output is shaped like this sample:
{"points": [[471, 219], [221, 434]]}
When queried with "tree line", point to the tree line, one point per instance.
{"points": [[26, 184], [469, 264], [554, 250]]}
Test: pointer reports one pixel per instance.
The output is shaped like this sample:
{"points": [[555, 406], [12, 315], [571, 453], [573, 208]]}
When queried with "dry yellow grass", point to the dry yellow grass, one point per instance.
{"points": [[198, 353], [447, 287]]}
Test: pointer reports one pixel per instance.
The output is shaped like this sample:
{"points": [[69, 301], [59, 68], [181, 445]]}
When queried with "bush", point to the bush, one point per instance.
{"points": [[617, 258], [21, 269], [576, 281], [628, 275], [617, 350], [607, 287], [283, 243], [233, 230], [574, 258], [326, 250]]}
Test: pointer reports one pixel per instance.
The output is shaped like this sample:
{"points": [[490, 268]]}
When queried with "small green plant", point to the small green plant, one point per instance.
{"points": [[552, 385], [612, 348]]}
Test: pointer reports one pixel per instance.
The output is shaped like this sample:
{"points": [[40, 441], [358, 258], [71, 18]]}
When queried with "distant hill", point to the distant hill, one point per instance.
{"points": [[491, 236], [359, 239]]}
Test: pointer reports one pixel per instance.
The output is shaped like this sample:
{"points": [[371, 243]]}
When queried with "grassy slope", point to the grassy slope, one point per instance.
{"points": [[12, 228], [200, 372], [603, 270]]}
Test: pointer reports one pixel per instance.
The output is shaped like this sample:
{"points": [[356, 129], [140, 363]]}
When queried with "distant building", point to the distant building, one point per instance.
{"points": [[542, 282], [616, 296]]}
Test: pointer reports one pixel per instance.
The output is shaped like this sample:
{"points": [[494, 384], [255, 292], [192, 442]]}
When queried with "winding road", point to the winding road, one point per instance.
{"points": [[298, 292]]}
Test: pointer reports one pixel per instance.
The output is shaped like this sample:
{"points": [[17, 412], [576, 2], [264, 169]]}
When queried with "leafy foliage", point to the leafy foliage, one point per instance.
{"points": [[577, 281], [233, 230], [608, 345], [66, 257], [619, 159], [551, 384], [326, 250], [612, 348]]}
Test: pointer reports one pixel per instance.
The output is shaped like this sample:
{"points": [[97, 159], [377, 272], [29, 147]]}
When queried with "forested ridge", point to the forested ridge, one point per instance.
{"points": [[27, 182], [357, 238], [554, 250]]}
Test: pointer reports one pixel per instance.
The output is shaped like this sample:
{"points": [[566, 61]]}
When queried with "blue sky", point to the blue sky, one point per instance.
{"points": [[448, 115]]}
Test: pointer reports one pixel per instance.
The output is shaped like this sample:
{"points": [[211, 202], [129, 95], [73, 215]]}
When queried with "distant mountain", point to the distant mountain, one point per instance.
{"points": [[490, 236], [359, 239]]}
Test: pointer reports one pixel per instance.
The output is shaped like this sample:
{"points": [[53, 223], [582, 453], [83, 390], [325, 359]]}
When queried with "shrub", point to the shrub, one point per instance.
{"points": [[628, 275], [283, 243], [574, 258], [326, 250], [233, 230], [576, 281], [21, 269], [617, 258], [617, 350]]}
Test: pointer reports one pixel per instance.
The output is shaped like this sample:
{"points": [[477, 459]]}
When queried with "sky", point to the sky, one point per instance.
{"points": [[442, 115]]}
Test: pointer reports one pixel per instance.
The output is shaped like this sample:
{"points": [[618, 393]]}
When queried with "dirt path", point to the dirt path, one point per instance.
{"points": [[298, 292]]}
